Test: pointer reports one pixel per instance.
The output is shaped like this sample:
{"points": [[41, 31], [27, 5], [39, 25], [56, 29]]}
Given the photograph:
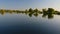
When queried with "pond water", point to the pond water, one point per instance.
{"points": [[29, 24]]}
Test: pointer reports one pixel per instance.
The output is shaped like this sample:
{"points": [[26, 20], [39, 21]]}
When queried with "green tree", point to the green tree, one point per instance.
{"points": [[30, 10], [36, 10], [50, 10], [44, 11]]}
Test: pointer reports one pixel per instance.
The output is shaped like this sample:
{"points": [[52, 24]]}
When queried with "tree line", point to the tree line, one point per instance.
{"points": [[45, 12], [31, 11]]}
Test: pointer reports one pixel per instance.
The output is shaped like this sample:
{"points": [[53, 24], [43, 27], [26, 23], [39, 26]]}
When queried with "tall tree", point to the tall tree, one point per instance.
{"points": [[50, 10], [44, 11], [36, 10], [30, 10]]}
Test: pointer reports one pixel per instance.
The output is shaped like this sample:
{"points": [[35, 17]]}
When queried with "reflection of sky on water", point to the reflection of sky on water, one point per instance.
{"points": [[19, 23]]}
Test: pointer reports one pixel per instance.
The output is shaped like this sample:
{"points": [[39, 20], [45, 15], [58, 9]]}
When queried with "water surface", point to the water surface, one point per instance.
{"points": [[21, 23]]}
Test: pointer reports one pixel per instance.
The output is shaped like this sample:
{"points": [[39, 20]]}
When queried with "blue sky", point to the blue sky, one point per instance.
{"points": [[26, 4]]}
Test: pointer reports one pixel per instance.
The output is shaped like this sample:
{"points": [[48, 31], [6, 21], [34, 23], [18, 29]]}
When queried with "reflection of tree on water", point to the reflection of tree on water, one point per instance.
{"points": [[26, 11], [36, 11], [36, 14], [48, 15], [2, 12], [33, 12], [30, 12], [30, 15], [44, 15], [46, 12]]}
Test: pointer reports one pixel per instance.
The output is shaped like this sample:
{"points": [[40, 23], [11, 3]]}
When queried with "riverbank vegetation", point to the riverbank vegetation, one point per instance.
{"points": [[31, 11], [45, 12]]}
